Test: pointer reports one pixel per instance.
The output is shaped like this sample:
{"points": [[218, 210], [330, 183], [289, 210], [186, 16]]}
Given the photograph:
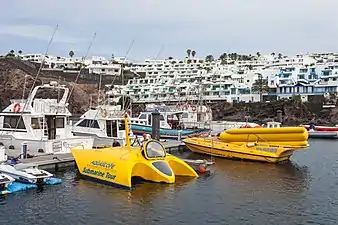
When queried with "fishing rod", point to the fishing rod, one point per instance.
{"points": [[38, 73], [82, 66]]}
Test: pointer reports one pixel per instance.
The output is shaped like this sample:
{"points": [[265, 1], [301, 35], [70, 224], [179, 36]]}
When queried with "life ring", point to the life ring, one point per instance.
{"points": [[193, 108], [17, 108]]}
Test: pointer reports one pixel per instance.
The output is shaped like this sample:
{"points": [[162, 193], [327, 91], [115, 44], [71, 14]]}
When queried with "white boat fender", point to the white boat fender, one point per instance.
{"points": [[251, 144]]}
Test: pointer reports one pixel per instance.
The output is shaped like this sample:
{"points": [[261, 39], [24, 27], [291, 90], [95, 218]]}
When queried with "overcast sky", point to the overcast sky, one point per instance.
{"points": [[168, 28]]}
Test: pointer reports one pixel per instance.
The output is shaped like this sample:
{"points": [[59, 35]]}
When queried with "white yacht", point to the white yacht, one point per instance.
{"points": [[171, 125], [105, 123], [43, 124]]}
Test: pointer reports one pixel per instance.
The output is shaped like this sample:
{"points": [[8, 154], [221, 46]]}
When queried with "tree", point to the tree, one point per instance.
{"points": [[11, 51], [188, 52], [193, 53], [112, 56], [209, 58], [223, 57], [280, 56], [71, 53], [273, 54], [170, 57], [261, 86], [20, 52], [258, 54]]}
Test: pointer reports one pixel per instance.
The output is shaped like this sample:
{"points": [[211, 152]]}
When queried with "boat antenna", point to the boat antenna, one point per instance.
{"points": [[159, 53], [82, 66], [122, 70], [99, 94], [38, 73]]}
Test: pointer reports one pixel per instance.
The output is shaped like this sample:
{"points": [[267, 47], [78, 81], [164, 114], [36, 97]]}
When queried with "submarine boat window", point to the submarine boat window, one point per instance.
{"points": [[153, 150]]}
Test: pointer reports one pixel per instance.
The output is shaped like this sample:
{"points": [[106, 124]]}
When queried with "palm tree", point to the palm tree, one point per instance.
{"points": [[273, 54], [71, 53], [193, 53], [261, 86], [223, 57], [280, 56], [188, 52], [209, 58], [20, 52], [11, 51], [258, 54]]}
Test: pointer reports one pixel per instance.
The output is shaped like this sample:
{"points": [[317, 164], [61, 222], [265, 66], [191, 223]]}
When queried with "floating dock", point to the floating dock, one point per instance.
{"points": [[54, 162]]}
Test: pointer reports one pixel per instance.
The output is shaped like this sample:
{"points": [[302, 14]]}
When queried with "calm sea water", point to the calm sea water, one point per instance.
{"points": [[304, 191]]}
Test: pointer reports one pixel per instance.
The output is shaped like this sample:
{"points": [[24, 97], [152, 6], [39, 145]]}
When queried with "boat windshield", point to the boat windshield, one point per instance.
{"points": [[154, 149]]}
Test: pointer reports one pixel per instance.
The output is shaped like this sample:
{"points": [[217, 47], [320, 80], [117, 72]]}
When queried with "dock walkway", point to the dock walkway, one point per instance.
{"points": [[56, 161]]}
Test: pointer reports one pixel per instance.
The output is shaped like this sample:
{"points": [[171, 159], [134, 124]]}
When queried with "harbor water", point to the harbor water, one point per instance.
{"points": [[303, 191]]}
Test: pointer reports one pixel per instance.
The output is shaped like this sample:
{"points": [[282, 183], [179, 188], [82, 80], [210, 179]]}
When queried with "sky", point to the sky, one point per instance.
{"points": [[160, 29]]}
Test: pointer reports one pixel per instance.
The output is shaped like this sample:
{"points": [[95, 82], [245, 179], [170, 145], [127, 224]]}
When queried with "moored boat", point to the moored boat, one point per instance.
{"points": [[118, 165], [170, 125], [105, 123], [321, 128], [260, 144], [41, 123]]}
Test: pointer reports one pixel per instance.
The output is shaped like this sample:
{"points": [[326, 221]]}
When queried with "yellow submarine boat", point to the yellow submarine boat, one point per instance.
{"points": [[260, 144], [117, 165]]}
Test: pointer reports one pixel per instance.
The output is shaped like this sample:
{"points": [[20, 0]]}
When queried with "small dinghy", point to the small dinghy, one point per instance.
{"points": [[5, 181], [26, 173]]}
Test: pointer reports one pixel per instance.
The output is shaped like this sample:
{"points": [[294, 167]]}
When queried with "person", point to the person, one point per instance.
{"points": [[146, 137], [116, 143]]}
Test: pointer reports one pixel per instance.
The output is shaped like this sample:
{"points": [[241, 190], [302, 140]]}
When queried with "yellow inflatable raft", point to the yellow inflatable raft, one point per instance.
{"points": [[290, 136]]}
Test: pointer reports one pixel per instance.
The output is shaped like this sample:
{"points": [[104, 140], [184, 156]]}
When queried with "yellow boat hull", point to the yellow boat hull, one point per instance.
{"points": [[117, 166], [263, 152], [294, 136]]}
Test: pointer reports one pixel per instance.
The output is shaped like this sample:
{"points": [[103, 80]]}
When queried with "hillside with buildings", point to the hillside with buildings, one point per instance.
{"points": [[304, 87]]}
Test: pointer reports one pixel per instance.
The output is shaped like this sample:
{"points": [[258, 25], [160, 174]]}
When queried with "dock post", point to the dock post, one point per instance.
{"points": [[155, 125], [24, 150], [279, 116], [179, 135]]}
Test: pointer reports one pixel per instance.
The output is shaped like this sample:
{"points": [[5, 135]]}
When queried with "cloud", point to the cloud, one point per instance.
{"points": [[40, 32], [209, 27]]}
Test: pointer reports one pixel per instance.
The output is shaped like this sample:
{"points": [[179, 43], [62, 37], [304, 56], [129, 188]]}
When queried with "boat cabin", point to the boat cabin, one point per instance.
{"points": [[96, 122], [169, 120], [103, 121], [37, 118], [273, 125]]}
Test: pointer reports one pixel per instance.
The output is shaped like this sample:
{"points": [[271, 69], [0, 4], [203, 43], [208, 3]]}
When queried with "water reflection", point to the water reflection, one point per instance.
{"points": [[259, 179], [137, 205]]}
